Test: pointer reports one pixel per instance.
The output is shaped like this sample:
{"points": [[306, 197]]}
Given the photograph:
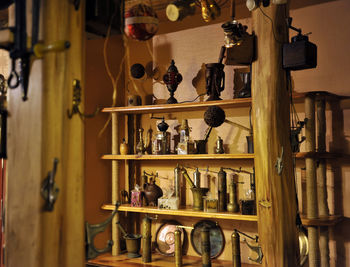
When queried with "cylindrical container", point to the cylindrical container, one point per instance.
{"points": [[205, 245], [178, 249], [236, 250], [146, 240], [222, 191], [250, 144], [232, 206], [177, 182], [197, 178], [219, 149]]}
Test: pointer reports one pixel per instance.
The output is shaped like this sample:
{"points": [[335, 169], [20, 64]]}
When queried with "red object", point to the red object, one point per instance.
{"points": [[141, 22]]}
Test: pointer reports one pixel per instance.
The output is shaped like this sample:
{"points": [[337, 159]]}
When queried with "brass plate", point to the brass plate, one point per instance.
{"points": [[216, 236]]}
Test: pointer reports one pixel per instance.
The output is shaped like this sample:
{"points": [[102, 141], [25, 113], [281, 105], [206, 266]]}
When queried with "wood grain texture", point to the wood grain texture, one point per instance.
{"points": [[157, 261], [311, 182], [40, 131], [188, 211], [178, 157], [277, 229]]}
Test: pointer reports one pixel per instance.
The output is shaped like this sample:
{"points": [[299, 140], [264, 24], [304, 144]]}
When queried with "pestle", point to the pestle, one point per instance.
{"points": [[125, 234]]}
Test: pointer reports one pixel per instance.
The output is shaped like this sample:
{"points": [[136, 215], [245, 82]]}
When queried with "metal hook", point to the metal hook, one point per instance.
{"points": [[49, 189], [76, 102], [256, 249], [13, 75]]}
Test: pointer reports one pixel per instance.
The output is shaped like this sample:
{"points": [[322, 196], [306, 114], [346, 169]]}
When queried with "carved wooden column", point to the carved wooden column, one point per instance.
{"points": [[276, 201]]}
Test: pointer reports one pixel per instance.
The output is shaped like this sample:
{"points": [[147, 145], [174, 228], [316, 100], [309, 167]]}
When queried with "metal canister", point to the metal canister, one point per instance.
{"points": [[219, 146], [236, 250], [197, 178], [177, 182], [146, 240], [178, 249], [205, 245], [232, 206], [222, 191]]}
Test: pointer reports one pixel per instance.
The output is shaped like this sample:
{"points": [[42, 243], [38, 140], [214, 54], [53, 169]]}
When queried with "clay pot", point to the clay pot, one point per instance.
{"points": [[152, 193]]}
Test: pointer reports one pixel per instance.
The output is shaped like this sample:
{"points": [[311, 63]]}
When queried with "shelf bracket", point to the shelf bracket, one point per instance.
{"points": [[91, 230]]}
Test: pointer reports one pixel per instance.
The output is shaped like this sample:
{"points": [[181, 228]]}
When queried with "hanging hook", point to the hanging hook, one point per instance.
{"points": [[76, 102]]}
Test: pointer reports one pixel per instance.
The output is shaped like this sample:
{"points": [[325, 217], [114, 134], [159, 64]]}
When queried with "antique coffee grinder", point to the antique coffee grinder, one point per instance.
{"points": [[172, 79], [161, 143]]}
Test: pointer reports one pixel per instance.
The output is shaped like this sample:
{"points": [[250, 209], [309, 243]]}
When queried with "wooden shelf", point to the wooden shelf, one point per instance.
{"points": [[322, 221], [188, 212], [195, 106], [107, 260], [179, 157], [320, 155]]}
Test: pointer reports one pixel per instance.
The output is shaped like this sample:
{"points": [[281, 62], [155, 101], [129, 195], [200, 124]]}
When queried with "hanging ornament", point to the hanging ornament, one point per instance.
{"points": [[141, 22]]}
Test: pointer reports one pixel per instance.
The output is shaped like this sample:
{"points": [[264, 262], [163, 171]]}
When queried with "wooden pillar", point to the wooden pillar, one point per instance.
{"points": [[115, 184], [39, 131], [311, 183], [322, 179], [276, 201]]}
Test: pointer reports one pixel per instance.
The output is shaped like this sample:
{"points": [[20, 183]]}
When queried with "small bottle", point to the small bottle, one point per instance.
{"points": [[140, 147], [219, 146], [123, 148]]}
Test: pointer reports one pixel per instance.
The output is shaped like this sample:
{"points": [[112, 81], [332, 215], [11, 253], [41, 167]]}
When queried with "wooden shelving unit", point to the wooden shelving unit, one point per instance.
{"points": [[157, 260], [179, 157], [322, 221], [245, 156], [185, 211], [195, 106]]}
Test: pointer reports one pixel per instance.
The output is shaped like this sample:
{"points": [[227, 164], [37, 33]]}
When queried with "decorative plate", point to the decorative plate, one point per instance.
{"points": [[165, 238], [216, 236]]}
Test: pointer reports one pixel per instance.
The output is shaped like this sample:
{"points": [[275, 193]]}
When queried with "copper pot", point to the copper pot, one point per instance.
{"points": [[152, 193]]}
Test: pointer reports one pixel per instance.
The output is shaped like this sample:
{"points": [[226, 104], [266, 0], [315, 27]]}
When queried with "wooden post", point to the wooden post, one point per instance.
{"points": [[322, 179], [115, 184], [39, 131], [276, 201], [311, 184]]}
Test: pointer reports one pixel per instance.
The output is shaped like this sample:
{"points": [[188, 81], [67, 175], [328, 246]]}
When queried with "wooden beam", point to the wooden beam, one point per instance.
{"points": [[275, 195]]}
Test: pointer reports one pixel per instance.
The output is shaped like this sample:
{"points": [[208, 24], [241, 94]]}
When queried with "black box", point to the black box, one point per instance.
{"points": [[299, 54]]}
